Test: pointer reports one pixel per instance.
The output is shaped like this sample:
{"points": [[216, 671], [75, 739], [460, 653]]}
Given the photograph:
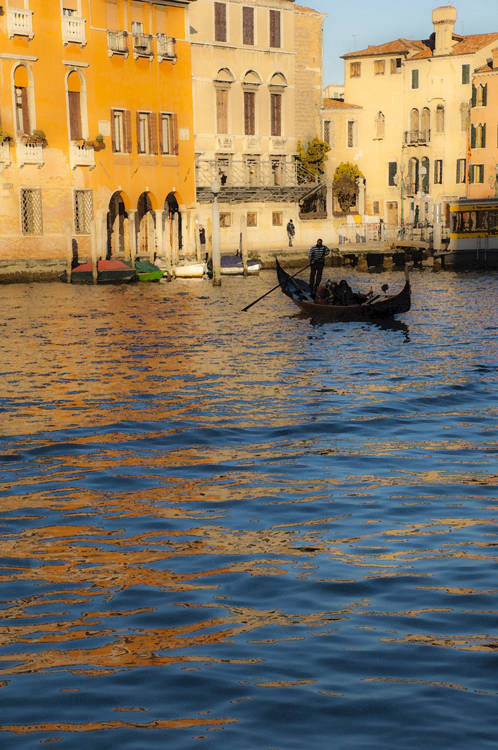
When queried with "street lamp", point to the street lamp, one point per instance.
{"points": [[215, 234]]}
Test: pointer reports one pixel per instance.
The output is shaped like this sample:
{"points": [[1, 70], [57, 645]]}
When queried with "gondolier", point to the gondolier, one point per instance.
{"points": [[317, 256]]}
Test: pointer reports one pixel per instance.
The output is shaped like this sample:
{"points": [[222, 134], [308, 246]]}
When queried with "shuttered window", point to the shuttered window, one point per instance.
{"points": [[121, 131], [220, 22], [249, 112], [275, 28], [221, 111], [247, 25], [276, 114], [74, 103], [414, 79], [168, 133], [147, 132]]}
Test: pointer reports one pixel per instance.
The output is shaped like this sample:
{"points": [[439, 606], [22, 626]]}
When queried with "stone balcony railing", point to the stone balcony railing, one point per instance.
{"points": [[82, 155], [4, 154], [117, 43], [29, 152], [73, 29], [255, 173], [166, 48], [142, 46], [20, 22], [417, 137]]}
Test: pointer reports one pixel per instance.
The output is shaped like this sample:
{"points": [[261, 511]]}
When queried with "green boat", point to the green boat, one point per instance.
{"points": [[147, 271]]}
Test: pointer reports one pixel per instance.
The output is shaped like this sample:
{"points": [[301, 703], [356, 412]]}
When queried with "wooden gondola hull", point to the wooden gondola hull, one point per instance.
{"points": [[299, 292]]}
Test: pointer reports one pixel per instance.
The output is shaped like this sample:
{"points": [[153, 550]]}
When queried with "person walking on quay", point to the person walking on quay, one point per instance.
{"points": [[291, 231], [317, 256]]}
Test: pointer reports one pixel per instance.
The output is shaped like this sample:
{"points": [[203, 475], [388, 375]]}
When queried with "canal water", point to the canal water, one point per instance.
{"points": [[242, 530]]}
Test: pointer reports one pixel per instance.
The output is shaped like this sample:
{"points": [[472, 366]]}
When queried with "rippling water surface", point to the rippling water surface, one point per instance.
{"points": [[241, 530]]}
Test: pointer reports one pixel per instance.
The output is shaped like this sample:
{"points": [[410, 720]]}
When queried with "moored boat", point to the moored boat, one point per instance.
{"points": [[147, 271], [108, 272], [231, 265], [379, 306]]}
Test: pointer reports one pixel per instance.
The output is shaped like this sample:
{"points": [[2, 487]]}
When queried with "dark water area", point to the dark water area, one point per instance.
{"points": [[242, 530]]}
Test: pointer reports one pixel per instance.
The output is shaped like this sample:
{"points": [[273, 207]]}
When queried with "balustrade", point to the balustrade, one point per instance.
{"points": [[82, 155], [166, 47], [29, 152], [73, 29], [20, 22], [117, 43]]}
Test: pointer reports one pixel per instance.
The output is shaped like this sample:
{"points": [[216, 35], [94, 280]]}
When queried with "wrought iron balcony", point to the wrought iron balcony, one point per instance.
{"points": [[117, 43], [166, 48], [417, 137], [142, 46], [73, 29], [20, 22]]}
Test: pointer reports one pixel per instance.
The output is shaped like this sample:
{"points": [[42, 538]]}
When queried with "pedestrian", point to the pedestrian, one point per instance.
{"points": [[317, 256], [291, 231], [202, 239]]}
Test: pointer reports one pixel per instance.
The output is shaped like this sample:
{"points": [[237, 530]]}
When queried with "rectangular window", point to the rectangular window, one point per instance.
{"points": [[121, 131], [221, 111], [414, 79], [252, 219], [275, 28], [477, 173], [74, 104], [376, 208], [379, 67], [461, 170], [225, 220], [277, 218], [352, 133], [31, 211], [395, 64], [438, 172], [247, 25], [249, 113], [146, 141], [220, 22], [465, 73], [355, 70], [137, 27], [276, 114], [168, 133], [83, 211], [392, 171]]}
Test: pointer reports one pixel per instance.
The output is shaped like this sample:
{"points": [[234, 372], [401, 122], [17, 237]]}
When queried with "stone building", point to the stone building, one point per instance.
{"points": [[405, 120], [257, 82], [483, 168], [96, 125]]}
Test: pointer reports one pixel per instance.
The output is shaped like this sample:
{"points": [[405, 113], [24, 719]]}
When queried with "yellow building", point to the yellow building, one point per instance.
{"points": [[410, 136], [96, 124]]}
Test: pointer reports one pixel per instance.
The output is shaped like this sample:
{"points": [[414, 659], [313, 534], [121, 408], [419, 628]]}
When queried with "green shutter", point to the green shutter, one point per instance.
{"points": [[474, 95], [485, 95], [472, 136], [483, 144]]}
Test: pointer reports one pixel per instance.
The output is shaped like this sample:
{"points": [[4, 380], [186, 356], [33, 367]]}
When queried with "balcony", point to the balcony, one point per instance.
{"points": [[142, 46], [20, 22], [225, 143], [117, 43], [29, 152], [166, 48], [73, 29], [417, 137], [4, 155], [81, 155]]}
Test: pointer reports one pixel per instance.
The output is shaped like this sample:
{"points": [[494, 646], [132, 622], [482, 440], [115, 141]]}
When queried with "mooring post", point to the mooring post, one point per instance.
{"points": [[69, 250], [215, 235], [93, 249]]}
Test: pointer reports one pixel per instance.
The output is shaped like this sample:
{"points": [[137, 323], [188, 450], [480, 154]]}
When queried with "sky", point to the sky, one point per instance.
{"points": [[354, 24]]}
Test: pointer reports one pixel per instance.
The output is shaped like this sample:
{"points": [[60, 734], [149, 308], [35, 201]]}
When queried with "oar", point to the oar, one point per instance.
{"points": [[272, 290]]}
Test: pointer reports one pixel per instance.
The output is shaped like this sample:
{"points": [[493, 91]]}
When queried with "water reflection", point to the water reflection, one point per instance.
{"points": [[247, 525]]}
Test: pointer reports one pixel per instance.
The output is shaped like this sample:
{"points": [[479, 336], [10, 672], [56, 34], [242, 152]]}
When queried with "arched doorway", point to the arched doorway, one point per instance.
{"points": [[116, 215], [146, 226], [172, 211]]}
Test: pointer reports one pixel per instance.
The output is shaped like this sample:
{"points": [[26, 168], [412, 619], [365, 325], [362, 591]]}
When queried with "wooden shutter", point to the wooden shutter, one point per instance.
{"points": [[221, 111], [276, 114], [25, 110], [127, 130], [274, 28], [153, 132], [247, 25], [249, 113], [220, 22], [174, 134], [161, 139], [75, 129]]}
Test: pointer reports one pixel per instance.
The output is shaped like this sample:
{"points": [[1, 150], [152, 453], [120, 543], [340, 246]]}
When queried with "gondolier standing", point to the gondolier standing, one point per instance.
{"points": [[317, 256]]}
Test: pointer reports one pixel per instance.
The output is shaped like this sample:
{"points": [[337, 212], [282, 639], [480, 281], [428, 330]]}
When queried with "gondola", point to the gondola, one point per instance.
{"points": [[371, 308]]}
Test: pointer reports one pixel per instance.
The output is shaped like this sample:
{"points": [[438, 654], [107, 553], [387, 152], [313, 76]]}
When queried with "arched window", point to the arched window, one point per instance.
{"points": [[424, 172], [223, 81], [380, 125], [481, 95], [414, 126], [413, 176], [74, 105], [439, 118], [250, 86], [426, 124], [24, 114], [277, 87]]}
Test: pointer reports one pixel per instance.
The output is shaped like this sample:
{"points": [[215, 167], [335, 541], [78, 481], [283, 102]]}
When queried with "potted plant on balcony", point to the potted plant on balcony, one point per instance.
{"points": [[4, 136], [99, 142], [37, 137]]}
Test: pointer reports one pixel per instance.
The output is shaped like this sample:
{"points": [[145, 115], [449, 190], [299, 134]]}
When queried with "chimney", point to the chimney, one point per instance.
{"points": [[444, 19]]}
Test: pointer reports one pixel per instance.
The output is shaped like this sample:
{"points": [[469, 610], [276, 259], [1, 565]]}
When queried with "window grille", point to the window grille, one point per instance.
{"points": [[83, 211], [31, 211]]}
